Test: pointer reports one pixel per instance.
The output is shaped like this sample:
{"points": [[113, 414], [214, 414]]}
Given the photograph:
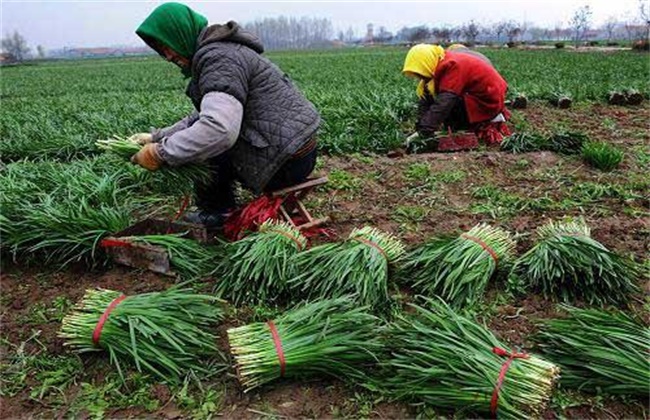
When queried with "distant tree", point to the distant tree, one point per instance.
{"points": [[537, 34], [383, 35], [40, 50], [609, 27], [486, 32], [557, 31], [292, 33], [644, 14], [349, 35], [513, 30], [523, 29], [629, 26], [16, 45], [442, 34], [456, 32], [580, 23], [548, 34], [403, 33], [500, 29], [470, 32], [418, 34]]}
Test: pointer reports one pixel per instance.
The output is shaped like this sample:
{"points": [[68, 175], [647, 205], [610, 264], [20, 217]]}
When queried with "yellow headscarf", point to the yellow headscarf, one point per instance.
{"points": [[423, 59]]}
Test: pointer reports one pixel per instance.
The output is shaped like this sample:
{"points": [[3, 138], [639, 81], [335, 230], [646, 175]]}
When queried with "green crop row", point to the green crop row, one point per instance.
{"points": [[58, 110]]}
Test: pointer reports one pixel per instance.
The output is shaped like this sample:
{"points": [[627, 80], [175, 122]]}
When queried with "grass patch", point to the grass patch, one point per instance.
{"points": [[341, 180], [98, 400], [53, 311], [447, 177], [602, 155], [200, 402], [418, 172], [45, 376], [410, 214], [496, 202], [642, 155]]}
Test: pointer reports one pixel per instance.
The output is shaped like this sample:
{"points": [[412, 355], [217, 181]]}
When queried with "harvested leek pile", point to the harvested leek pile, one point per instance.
{"points": [[450, 362], [167, 333], [333, 337], [524, 142], [358, 266], [458, 270], [119, 146], [567, 264], [61, 211], [567, 142], [599, 351], [190, 258], [255, 269], [126, 148]]}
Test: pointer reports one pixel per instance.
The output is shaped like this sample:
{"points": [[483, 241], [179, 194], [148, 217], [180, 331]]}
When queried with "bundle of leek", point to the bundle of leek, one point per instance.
{"points": [[167, 333], [458, 270], [449, 361], [333, 337], [599, 351], [256, 268], [358, 266], [569, 265]]}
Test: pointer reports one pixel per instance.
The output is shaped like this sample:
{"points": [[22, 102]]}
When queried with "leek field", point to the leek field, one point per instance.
{"points": [[60, 195]]}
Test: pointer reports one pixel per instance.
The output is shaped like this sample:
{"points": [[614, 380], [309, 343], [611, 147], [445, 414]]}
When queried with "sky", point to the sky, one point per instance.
{"points": [[89, 23]]}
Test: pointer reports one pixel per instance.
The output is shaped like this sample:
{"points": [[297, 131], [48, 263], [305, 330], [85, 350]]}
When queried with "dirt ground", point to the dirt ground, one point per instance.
{"points": [[400, 195]]}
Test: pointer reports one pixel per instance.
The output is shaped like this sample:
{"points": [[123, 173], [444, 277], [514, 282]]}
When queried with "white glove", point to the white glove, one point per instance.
{"points": [[141, 138], [411, 138]]}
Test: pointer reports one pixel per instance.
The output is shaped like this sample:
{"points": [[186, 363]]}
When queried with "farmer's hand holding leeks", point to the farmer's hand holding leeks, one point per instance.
{"points": [[148, 157], [141, 138]]}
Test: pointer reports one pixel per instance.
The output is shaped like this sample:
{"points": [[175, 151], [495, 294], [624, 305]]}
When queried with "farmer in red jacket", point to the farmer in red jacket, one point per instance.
{"points": [[459, 89]]}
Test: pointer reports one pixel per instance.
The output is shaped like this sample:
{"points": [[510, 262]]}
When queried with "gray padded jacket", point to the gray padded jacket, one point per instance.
{"points": [[277, 118]]}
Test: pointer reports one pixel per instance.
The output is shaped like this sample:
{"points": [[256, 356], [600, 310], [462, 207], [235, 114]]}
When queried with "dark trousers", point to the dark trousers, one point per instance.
{"points": [[218, 195], [457, 119]]}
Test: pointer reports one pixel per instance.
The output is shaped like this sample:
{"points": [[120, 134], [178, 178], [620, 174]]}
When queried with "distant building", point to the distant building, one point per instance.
{"points": [[100, 52], [137, 51], [91, 52]]}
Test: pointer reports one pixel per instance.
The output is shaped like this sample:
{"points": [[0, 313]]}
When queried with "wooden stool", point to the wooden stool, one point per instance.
{"points": [[292, 204]]}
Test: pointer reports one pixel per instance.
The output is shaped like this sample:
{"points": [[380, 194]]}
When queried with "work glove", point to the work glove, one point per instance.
{"points": [[148, 157], [141, 138]]}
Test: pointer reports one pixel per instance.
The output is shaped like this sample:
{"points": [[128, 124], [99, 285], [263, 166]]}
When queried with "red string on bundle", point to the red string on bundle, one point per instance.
{"points": [[113, 243], [278, 346], [483, 245], [288, 236], [185, 202], [97, 333], [371, 244], [502, 374]]}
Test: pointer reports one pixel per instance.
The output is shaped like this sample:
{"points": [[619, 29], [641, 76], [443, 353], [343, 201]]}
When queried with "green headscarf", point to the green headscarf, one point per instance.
{"points": [[174, 25]]}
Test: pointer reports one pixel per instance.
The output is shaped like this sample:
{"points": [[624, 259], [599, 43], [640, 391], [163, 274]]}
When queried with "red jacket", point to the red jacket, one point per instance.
{"points": [[476, 81]]}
